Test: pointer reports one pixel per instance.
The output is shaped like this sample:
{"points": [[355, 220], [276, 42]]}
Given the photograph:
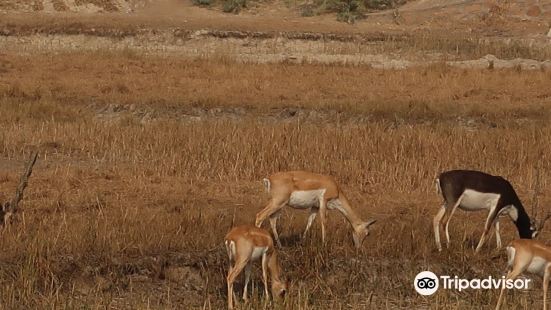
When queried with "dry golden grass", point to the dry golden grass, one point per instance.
{"points": [[173, 83], [128, 211]]}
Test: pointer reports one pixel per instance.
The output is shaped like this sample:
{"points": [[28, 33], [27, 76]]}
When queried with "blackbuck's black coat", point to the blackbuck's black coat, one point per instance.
{"points": [[454, 183]]}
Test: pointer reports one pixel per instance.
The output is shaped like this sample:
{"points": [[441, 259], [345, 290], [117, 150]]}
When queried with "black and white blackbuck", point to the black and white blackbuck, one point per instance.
{"points": [[474, 191]]}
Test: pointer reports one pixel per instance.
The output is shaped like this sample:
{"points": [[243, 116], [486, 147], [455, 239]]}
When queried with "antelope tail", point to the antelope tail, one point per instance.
{"points": [[438, 187], [267, 184]]}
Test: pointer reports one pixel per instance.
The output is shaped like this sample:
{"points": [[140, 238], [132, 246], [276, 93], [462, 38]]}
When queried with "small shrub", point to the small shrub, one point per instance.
{"points": [[307, 10], [348, 11], [234, 6], [203, 2], [383, 4], [348, 17]]}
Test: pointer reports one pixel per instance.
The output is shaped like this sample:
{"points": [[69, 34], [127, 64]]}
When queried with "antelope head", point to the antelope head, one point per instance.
{"points": [[537, 225]]}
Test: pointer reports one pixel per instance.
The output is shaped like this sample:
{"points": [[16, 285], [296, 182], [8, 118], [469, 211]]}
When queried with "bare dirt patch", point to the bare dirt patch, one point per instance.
{"points": [[171, 27]]}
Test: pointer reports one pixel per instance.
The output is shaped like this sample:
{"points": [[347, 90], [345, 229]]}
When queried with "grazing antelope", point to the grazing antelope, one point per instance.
{"points": [[316, 192], [473, 191], [529, 256], [246, 244]]}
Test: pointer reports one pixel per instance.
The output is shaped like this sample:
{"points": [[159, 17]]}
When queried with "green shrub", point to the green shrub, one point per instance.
{"points": [[347, 10], [383, 4], [307, 10], [234, 6], [203, 2]]}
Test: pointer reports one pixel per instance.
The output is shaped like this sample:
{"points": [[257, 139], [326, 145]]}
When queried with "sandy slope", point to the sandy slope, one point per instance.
{"points": [[517, 18]]}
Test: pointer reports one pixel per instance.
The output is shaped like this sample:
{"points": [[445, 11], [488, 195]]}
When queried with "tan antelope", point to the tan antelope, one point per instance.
{"points": [[530, 256], [246, 244], [316, 192], [473, 191]]}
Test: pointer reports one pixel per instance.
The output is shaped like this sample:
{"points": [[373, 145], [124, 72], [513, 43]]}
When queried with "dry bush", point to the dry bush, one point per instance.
{"points": [[107, 5], [37, 5], [130, 212], [497, 12], [59, 5]]}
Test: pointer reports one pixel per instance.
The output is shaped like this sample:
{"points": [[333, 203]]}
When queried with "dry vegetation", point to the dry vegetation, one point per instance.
{"points": [[105, 4], [147, 162], [59, 5], [233, 39]]}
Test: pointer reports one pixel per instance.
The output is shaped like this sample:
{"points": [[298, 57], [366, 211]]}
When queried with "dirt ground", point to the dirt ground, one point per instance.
{"points": [[470, 34], [519, 18]]}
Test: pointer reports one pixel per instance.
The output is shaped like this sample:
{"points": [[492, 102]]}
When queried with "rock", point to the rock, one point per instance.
{"points": [[174, 274], [534, 11], [89, 271], [185, 275], [288, 113], [146, 118], [470, 64], [83, 286], [490, 57], [140, 278], [103, 284]]}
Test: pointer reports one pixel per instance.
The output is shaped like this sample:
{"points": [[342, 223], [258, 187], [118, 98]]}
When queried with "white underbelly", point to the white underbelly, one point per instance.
{"points": [[258, 252], [537, 266], [510, 256], [472, 200], [306, 199]]}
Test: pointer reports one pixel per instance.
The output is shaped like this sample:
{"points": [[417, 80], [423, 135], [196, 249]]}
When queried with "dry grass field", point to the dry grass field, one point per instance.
{"points": [[148, 159], [146, 163]]}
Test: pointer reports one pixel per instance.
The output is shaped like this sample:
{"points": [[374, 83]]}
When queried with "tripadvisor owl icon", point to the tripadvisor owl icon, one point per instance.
{"points": [[426, 283]]}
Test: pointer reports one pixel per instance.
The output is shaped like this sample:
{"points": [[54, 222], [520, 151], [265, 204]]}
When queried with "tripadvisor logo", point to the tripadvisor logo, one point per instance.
{"points": [[427, 283]]}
